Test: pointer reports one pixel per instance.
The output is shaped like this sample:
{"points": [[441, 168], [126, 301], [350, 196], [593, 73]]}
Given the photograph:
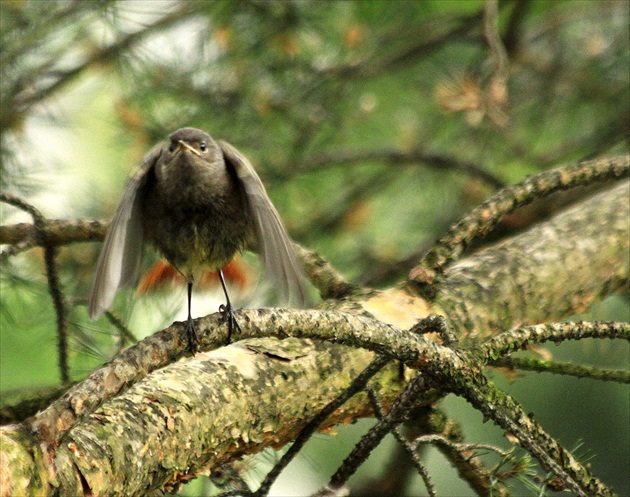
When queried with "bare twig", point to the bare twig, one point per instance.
{"points": [[564, 368], [484, 218], [57, 231], [518, 339], [54, 284], [329, 282], [16, 248], [362, 450], [399, 157], [413, 455]]}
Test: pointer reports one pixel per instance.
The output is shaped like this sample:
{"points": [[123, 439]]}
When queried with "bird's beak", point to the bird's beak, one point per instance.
{"points": [[183, 144]]}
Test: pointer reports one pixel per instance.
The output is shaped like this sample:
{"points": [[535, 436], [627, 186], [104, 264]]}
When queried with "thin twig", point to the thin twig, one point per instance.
{"points": [[518, 339], [480, 221], [459, 446], [507, 413], [16, 201], [16, 249], [398, 157], [56, 292], [413, 454], [461, 455], [362, 450], [52, 276], [564, 368]]}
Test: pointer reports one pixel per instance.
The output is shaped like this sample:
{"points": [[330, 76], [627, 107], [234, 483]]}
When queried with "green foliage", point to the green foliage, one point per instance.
{"points": [[333, 102]]}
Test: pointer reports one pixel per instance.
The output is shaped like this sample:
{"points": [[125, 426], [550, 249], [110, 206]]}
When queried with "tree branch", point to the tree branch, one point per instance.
{"points": [[143, 388], [58, 232], [52, 276], [170, 406], [564, 368], [514, 340], [484, 218], [398, 157], [502, 409], [553, 270], [23, 236]]}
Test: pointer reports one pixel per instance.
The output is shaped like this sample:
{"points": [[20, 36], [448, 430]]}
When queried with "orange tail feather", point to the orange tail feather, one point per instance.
{"points": [[163, 275]]}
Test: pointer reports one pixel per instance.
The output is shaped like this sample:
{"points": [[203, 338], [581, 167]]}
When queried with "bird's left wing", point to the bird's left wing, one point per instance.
{"points": [[275, 246]]}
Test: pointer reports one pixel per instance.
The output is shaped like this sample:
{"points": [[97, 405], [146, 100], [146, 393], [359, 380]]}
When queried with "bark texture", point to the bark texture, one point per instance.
{"points": [[147, 421]]}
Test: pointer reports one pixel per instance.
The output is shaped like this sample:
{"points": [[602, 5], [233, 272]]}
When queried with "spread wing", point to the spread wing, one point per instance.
{"points": [[121, 254], [275, 246]]}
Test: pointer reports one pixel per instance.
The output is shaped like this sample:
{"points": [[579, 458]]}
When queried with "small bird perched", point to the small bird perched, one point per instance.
{"points": [[198, 202]]}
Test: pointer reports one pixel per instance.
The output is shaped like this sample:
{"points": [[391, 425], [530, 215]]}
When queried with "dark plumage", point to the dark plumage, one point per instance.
{"points": [[198, 202]]}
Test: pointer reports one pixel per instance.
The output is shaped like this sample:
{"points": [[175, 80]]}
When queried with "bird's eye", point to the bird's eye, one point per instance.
{"points": [[202, 146]]}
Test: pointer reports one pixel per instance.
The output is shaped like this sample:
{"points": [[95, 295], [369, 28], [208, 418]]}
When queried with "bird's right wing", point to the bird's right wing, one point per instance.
{"points": [[121, 254]]}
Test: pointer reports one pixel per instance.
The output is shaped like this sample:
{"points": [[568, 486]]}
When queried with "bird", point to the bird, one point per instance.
{"points": [[198, 202]]}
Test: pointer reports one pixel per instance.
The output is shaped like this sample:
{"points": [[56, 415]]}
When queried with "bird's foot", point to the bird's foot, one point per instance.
{"points": [[228, 315], [191, 335]]}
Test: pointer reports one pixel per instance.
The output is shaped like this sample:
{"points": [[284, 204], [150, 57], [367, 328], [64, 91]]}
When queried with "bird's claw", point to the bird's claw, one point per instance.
{"points": [[191, 335], [228, 315]]}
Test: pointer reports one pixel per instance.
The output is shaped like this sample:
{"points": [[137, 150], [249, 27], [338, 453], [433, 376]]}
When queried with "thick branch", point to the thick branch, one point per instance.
{"points": [[483, 297], [71, 424], [261, 394], [220, 405], [553, 270], [481, 220]]}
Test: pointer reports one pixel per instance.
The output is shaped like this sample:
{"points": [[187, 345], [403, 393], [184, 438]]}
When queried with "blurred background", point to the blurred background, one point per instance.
{"points": [[374, 125]]}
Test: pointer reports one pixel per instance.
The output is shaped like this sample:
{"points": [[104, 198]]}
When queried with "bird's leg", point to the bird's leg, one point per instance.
{"points": [[191, 333], [226, 310]]}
